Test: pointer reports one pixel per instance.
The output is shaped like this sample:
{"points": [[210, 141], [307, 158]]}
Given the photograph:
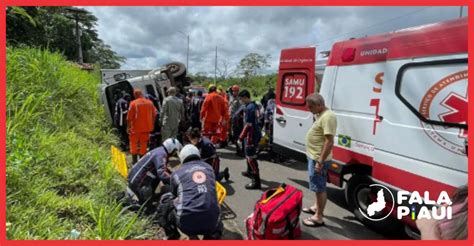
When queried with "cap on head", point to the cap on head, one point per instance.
{"points": [[189, 152]]}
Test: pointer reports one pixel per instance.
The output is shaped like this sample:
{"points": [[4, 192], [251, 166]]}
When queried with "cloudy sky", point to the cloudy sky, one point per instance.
{"points": [[151, 36]]}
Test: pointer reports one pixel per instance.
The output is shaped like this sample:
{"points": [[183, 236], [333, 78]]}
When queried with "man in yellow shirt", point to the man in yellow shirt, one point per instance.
{"points": [[319, 143]]}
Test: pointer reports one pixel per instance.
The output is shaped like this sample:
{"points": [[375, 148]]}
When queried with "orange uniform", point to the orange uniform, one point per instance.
{"points": [[212, 112], [141, 119]]}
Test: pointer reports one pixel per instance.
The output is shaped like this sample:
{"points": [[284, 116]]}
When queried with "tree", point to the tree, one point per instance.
{"points": [[252, 64], [53, 28], [224, 70], [104, 55]]}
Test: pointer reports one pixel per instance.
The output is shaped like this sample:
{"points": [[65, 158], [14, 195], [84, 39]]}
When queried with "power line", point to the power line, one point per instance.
{"points": [[374, 25]]}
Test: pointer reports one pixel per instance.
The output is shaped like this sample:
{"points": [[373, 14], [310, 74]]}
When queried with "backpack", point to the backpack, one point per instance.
{"points": [[276, 215]]}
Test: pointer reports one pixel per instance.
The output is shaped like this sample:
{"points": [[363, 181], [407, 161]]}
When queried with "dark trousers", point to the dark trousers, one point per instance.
{"points": [[167, 220], [122, 130]]}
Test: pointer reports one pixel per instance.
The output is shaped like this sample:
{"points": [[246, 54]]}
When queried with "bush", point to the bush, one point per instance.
{"points": [[59, 173], [257, 85]]}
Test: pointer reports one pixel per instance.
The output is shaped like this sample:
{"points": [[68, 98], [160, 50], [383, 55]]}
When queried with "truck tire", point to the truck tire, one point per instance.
{"points": [[357, 196], [177, 69]]}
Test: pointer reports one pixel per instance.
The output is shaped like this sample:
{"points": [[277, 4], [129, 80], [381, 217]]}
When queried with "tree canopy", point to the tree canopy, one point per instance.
{"points": [[53, 28], [252, 63]]}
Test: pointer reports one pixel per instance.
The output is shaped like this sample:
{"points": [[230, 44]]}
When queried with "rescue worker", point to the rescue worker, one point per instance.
{"points": [[222, 92], [269, 95], [213, 113], [120, 118], [155, 136], [268, 119], [171, 115], [192, 204], [140, 119], [223, 126], [208, 153], [145, 176], [236, 125], [250, 135], [196, 105], [238, 122]]}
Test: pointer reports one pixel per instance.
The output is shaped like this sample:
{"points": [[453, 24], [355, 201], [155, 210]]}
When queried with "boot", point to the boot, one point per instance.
{"points": [[255, 184], [247, 173], [226, 174], [134, 159], [223, 144]]}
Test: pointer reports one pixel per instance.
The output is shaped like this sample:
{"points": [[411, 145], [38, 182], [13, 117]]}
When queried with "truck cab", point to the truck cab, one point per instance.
{"points": [[152, 82]]}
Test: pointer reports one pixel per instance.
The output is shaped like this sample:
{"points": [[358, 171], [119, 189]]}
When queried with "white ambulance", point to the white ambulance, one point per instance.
{"points": [[401, 104]]}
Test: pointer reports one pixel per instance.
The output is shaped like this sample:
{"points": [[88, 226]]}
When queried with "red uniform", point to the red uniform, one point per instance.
{"points": [[141, 119]]}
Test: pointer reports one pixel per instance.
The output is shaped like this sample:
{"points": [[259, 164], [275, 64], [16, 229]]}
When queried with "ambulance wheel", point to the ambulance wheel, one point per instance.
{"points": [[358, 198]]}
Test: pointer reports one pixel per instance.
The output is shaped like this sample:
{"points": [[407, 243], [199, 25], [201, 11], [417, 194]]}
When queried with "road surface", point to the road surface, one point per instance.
{"points": [[340, 222]]}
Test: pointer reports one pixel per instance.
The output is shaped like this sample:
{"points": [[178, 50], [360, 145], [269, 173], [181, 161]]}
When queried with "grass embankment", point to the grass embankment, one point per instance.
{"points": [[59, 176]]}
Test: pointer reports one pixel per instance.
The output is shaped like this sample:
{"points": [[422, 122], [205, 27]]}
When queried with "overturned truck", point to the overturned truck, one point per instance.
{"points": [[153, 82]]}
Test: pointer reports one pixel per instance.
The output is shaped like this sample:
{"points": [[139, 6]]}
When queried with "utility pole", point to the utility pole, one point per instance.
{"points": [[215, 69], [76, 12], [187, 56], [460, 11], [187, 50]]}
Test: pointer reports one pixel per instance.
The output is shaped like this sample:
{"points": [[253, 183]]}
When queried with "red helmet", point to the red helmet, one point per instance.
{"points": [[235, 88]]}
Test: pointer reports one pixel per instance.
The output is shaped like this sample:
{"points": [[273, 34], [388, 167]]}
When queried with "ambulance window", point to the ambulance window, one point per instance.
{"points": [[435, 91], [294, 88]]}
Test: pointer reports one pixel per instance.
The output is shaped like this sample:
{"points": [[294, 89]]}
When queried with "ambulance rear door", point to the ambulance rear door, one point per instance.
{"points": [[296, 80]]}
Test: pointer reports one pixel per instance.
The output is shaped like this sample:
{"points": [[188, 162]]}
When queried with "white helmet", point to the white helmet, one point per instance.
{"points": [[188, 151], [171, 145]]}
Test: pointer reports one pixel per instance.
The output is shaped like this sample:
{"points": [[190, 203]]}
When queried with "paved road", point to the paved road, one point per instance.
{"points": [[340, 223]]}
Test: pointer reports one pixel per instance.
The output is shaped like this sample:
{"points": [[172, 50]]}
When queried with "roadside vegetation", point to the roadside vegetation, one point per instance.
{"points": [[257, 85], [60, 181]]}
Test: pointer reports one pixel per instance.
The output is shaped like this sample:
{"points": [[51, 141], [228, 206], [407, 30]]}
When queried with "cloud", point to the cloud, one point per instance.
{"points": [[151, 36]]}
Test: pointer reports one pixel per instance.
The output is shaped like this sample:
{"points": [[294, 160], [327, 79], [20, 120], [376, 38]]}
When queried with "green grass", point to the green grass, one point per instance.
{"points": [[59, 175]]}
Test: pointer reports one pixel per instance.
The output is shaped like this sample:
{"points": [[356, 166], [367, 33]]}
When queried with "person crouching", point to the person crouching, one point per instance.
{"points": [[150, 170], [192, 205], [208, 153]]}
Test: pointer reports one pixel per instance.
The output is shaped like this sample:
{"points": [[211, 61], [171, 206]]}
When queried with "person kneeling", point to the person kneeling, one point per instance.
{"points": [[150, 170], [192, 205], [208, 153]]}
